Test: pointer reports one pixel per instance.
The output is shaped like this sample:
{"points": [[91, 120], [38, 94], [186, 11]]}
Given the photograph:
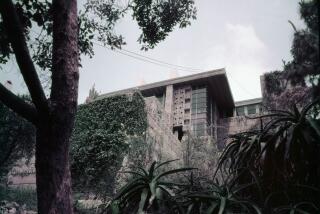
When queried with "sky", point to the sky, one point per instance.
{"points": [[246, 37]]}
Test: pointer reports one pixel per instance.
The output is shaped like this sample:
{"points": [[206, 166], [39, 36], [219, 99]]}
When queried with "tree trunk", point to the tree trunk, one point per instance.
{"points": [[53, 174], [53, 133]]}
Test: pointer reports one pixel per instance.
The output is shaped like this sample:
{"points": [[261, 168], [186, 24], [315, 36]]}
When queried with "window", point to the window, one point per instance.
{"points": [[199, 110], [187, 100], [187, 122], [240, 111], [251, 109], [199, 129], [187, 111]]}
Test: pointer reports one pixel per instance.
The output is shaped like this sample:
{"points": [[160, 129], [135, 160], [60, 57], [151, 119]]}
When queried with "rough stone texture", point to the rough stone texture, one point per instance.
{"points": [[166, 145], [168, 104], [234, 125], [160, 144], [201, 153], [22, 174]]}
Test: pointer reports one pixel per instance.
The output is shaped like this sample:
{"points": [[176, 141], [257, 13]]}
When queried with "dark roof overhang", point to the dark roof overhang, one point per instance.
{"points": [[216, 80]]}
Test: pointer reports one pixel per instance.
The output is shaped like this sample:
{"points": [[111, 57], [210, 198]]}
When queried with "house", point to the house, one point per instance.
{"points": [[198, 106], [201, 104]]}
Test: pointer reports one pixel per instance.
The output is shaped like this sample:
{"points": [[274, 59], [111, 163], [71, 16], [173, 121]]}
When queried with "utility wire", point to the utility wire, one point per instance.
{"points": [[241, 87], [161, 63], [168, 65], [183, 67], [150, 60]]}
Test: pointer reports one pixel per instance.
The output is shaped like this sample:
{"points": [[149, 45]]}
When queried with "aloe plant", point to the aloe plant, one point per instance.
{"points": [[284, 154], [220, 198], [148, 191]]}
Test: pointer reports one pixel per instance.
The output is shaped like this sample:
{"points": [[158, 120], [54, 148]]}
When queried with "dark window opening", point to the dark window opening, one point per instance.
{"points": [[180, 132]]}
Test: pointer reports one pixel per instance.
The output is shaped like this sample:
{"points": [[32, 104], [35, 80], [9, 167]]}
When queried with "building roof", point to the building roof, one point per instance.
{"points": [[248, 102], [216, 79]]}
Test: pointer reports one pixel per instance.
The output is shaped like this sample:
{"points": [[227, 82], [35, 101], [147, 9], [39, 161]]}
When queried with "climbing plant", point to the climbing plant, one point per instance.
{"points": [[17, 139], [100, 140]]}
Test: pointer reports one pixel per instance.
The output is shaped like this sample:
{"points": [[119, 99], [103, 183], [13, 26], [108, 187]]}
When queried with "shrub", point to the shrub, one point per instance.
{"points": [[22, 196], [148, 191], [283, 159]]}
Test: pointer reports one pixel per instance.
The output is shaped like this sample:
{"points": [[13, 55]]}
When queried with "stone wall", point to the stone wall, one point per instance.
{"points": [[165, 145], [161, 145], [233, 125], [22, 174]]}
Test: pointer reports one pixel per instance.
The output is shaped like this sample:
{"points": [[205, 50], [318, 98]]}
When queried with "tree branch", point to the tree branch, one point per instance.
{"points": [[18, 105], [17, 39]]}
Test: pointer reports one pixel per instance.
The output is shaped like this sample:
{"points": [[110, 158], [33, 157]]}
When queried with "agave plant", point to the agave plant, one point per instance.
{"points": [[284, 153], [148, 191], [220, 198], [298, 208]]}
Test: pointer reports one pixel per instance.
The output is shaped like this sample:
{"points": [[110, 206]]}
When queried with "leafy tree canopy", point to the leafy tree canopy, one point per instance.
{"points": [[96, 22], [302, 70], [305, 47]]}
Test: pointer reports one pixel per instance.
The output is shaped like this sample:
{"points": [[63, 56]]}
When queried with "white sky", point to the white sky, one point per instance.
{"points": [[247, 37]]}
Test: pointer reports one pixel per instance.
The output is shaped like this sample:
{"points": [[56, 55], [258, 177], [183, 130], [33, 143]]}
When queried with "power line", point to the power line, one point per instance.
{"points": [[240, 86], [168, 65], [151, 60], [161, 63], [183, 67]]}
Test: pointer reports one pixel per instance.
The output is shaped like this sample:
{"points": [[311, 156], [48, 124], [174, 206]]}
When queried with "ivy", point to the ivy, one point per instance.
{"points": [[100, 140], [17, 139]]}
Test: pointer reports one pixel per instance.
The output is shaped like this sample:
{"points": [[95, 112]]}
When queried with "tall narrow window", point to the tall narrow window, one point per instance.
{"points": [[199, 110], [240, 111]]}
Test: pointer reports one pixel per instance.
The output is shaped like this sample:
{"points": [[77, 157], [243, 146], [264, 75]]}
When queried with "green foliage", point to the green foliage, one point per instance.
{"points": [[27, 196], [217, 198], [282, 159], [158, 18], [305, 65], [96, 22], [148, 191], [17, 139], [99, 140]]}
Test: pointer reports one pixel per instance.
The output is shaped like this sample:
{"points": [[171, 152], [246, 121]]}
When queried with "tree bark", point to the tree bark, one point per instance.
{"points": [[53, 133], [55, 119]]}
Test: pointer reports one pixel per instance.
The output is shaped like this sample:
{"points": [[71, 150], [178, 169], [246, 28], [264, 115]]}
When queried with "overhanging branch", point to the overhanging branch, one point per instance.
{"points": [[17, 39], [18, 105]]}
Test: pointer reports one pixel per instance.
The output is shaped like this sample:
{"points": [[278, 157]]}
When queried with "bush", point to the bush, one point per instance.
{"points": [[282, 159], [22, 196]]}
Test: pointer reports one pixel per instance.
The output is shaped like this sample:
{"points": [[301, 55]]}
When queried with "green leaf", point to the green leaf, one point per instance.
{"points": [[173, 172], [115, 207], [151, 170], [190, 207], [143, 199], [212, 207], [166, 162], [314, 125], [223, 203]]}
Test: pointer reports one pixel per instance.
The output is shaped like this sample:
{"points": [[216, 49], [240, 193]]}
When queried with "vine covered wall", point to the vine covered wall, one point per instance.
{"points": [[100, 140]]}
